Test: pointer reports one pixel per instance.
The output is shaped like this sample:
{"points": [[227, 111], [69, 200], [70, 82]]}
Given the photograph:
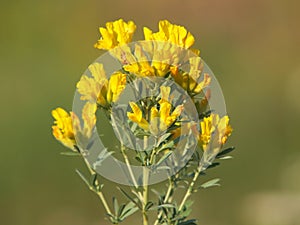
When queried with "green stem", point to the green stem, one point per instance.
{"points": [[99, 193], [145, 186], [191, 186], [129, 167], [166, 199]]}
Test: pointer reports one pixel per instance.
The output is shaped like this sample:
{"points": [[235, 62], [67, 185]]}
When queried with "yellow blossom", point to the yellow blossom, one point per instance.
{"points": [[213, 127], [190, 81], [67, 126], [157, 62], [117, 83], [137, 116], [224, 129], [115, 34], [171, 33], [139, 64], [98, 88], [63, 129], [94, 88], [160, 119], [89, 119]]}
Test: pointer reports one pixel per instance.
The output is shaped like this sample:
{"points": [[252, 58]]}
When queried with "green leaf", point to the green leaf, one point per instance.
{"points": [[70, 153], [116, 205], [211, 183], [163, 138], [163, 158], [169, 145], [225, 152], [129, 197], [129, 209], [104, 154], [86, 181], [164, 206], [213, 165], [188, 222], [149, 205], [226, 157]]}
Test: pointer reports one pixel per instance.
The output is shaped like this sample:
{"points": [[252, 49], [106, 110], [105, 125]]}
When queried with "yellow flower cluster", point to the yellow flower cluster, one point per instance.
{"points": [[161, 56], [169, 40], [161, 117], [216, 128], [98, 88], [67, 126]]}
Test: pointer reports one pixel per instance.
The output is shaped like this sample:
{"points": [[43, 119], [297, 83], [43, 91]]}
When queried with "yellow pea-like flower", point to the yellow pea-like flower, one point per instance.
{"points": [[62, 129], [137, 116], [214, 127], [89, 119], [117, 84], [98, 88], [94, 88], [115, 34], [161, 118], [172, 33], [190, 81], [67, 125]]}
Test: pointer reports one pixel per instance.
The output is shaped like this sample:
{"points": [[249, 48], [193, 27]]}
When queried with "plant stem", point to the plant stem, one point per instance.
{"points": [[99, 192], [128, 166], [166, 199], [191, 186], [145, 186]]}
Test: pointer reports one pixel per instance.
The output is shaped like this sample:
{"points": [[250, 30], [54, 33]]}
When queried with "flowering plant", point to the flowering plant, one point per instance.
{"points": [[159, 97]]}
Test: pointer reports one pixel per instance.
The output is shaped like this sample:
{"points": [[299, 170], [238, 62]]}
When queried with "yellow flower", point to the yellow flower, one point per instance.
{"points": [[137, 116], [117, 83], [216, 128], [157, 62], [160, 119], [139, 64], [89, 119], [94, 88], [224, 129], [67, 126], [171, 33], [115, 34], [191, 81], [98, 88], [63, 129]]}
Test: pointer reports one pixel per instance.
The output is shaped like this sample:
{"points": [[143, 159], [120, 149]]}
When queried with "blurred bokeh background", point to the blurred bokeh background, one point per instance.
{"points": [[252, 47]]}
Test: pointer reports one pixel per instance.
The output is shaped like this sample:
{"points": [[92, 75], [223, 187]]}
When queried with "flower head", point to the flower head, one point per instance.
{"points": [[190, 81], [63, 129], [94, 88], [98, 88], [117, 83], [67, 125], [172, 33], [214, 128], [115, 34], [161, 116]]}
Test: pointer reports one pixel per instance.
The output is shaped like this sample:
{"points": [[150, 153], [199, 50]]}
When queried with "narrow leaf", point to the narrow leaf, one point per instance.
{"points": [[84, 179], [70, 153], [211, 183], [225, 152]]}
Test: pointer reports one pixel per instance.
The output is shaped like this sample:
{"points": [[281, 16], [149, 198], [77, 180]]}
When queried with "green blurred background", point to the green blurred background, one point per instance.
{"points": [[253, 49]]}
